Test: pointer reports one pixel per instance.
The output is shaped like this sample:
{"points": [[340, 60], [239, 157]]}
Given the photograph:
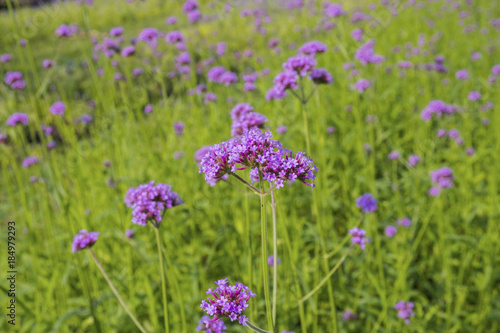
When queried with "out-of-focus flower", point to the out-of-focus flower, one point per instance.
{"points": [[367, 203], [58, 108], [390, 231], [30, 160], [84, 240], [405, 310], [358, 237]]}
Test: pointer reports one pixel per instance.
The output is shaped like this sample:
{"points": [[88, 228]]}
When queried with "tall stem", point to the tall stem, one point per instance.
{"points": [[275, 258], [255, 328], [136, 322], [163, 284], [265, 271]]}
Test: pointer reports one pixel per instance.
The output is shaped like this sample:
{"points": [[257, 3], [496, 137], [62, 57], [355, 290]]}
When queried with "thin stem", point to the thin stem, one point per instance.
{"points": [[306, 128], [106, 277], [255, 328], [265, 271], [275, 257], [309, 294], [253, 188], [163, 284]]}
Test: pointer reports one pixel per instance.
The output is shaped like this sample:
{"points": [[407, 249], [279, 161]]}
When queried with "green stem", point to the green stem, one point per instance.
{"points": [[275, 258], [325, 279], [255, 328], [163, 284], [136, 322], [265, 271], [250, 186]]}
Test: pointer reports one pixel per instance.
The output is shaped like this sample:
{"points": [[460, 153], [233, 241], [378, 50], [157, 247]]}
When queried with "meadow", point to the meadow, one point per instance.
{"points": [[395, 103]]}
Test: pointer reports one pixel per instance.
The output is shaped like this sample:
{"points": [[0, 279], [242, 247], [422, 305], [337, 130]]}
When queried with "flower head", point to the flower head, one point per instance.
{"points": [[227, 302], [302, 64], [58, 108], [312, 47], [358, 237], [366, 55], [256, 151], [209, 326], [270, 261], [244, 119], [349, 315], [30, 160], [405, 222], [367, 203], [405, 310], [443, 177], [390, 231], [149, 202], [83, 240], [321, 76], [18, 118], [413, 160]]}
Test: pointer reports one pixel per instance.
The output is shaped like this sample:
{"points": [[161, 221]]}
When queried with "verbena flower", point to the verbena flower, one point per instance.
{"points": [[301, 64], [206, 325], [474, 96], [413, 160], [366, 55], [215, 73], [17, 118], [443, 177], [149, 202], [179, 128], [362, 85], [321, 76], [116, 31], [405, 310], [405, 222], [244, 119], [200, 153], [438, 108], [462, 74], [270, 261], [349, 315], [58, 108], [256, 151], [285, 80], [312, 47], [394, 155], [12, 77], [47, 63], [30, 160], [129, 233], [127, 51], [5, 57], [390, 231], [228, 302], [367, 203], [358, 237], [84, 240]]}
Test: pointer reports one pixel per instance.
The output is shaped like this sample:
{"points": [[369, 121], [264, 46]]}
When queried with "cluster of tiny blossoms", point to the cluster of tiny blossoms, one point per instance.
{"points": [[206, 325], [358, 237], [257, 151], [83, 240], [442, 178], [244, 118], [229, 302], [149, 201], [405, 310]]}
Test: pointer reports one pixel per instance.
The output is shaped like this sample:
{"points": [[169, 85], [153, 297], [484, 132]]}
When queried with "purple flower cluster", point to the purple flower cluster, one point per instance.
{"points": [[244, 119], [349, 315], [442, 178], [256, 151], [270, 261], [366, 55], [15, 80], [190, 8], [218, 74], [312, 47], [149, 201], [206, 325], [358, 237], [367, 203], [332, 9], [83, 240], [30, 160], [405, 310], [66, 30], [58, 108], [18, 118], [438, 108], [229, 302]]}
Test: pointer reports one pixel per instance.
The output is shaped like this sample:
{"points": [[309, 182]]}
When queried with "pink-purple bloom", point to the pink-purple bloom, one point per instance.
{"points": [[413, 160], [29, 161], [244, 119], [359, 237], [84, 240], [301, 64], [390, 231], [209, 326], [150, 201], [366, 55], [270, 261], [312, 47], [18, 118], [405, 222], [405, 310], [227, 302], [367, 203], [58, 108], [321, 76]]}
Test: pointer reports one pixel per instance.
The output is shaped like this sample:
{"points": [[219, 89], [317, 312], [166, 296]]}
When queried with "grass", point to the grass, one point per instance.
{"points": [[446, 262]]}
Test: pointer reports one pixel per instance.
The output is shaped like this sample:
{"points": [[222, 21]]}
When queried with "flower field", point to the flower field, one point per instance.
{"points": [[331, 166]]}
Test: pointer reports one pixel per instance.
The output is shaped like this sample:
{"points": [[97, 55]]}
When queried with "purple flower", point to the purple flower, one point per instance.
{"points": [[58, 108], [86, 118], [273, 42], [210, 326], [47, 63], [148, 108], [129, 233], [256, 151], [405, 222], [462, 74], [174, 37], [366, 55], [5, 57], [63, 31], [250, 77], [12, 77], [332, 9], [321, 76], [454, 133], [349, 315], [302, 64], [390, 231], [30, 160], [394, 155], [361, 85], [358, 237], [281, 129], [413, 160], [367, 203], [116, 31], [83, 240], [474, 96], [128, 51], [179, 128], [215, 73], [438, 108], [189, 6], [18, 85], [3, 138], [221, 48], [200, 154], [137, 71], [476, 56], [171, 20], [51, 144], [270, 261], [149, 202], [495, 70], [148, 35], [194, 16], [470, 151], [443, 177], [228, 78], [285, 80], [357, 34], [330, 129], [275, 94], [17, 118], [209, 97], [178, 154], [228, 302], [405, 310], [312, 47]]}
